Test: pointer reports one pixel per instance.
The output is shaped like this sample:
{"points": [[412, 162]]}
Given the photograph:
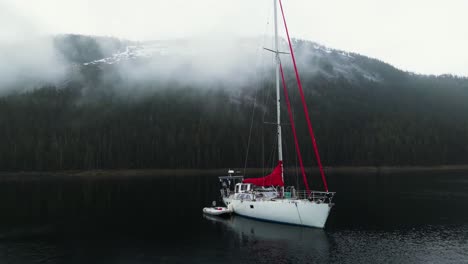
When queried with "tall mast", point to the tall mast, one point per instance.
{"points": [[278, 119]]}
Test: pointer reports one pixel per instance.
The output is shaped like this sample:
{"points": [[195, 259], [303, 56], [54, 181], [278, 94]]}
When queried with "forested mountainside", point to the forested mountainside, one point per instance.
{"points": [[107, 115]]}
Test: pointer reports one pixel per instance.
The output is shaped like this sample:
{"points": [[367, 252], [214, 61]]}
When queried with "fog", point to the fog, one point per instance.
{"points": [[205, 43], [227, 62], [29, 59], [422, 36], [27, 56]]}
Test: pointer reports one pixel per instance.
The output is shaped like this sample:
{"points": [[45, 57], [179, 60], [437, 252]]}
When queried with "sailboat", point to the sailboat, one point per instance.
{"points": [[267, 198]]}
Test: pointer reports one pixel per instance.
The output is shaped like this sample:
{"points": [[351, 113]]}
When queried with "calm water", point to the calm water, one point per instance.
{"points": [[378, 218]]}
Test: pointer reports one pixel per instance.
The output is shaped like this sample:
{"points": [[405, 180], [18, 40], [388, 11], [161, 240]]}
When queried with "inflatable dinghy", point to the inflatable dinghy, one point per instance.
{"points": [[218, 211]]}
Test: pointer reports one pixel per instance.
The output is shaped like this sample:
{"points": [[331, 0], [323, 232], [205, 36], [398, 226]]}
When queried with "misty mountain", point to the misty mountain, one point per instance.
{"points": [[80, 48], [314, 58], [189, 104]]}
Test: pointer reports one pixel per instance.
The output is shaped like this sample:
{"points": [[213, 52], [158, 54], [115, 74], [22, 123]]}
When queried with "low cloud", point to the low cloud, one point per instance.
{"points": [[27, 56]]}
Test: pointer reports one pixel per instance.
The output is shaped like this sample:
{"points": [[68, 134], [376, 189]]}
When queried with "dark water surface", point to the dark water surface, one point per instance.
{"points": [[378, 218]]}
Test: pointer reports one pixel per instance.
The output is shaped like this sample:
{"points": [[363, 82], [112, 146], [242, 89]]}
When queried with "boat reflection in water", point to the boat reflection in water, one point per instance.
{"points": [[260, 238]]}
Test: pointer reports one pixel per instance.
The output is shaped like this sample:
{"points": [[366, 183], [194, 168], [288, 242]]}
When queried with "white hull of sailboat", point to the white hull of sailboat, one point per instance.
{"points": [[286, 211]]}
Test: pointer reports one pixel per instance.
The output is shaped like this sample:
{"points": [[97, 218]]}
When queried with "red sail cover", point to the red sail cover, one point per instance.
{"points": [[273, 179]]}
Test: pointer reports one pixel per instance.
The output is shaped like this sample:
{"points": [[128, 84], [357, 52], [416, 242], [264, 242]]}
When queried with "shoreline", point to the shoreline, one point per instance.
{"points": [[181, 172]]}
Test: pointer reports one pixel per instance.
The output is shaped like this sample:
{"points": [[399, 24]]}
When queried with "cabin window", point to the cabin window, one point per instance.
{"points": [[244, 187], [251, 206]]}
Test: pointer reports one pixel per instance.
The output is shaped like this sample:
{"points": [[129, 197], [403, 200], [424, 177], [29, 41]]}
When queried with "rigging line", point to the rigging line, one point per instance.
{"points": [[266, 103], [266, 98], [285, 149], [296, 170], [263, 147], [293, 128], [271, 159], [259, 80], [263, 90], [306, 111], [296, 165], [250, 132]]}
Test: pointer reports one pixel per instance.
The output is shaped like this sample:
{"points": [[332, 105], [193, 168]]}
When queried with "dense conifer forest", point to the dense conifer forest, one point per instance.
{"points": [[396, 118]]}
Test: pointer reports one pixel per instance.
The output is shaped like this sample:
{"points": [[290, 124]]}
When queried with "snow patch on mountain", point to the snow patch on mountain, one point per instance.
{"points": [[314, 58], [132, 52]]}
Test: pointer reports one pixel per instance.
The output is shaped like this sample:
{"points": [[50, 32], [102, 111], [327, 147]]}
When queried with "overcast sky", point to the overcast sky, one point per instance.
{"points": [[423, 36]]}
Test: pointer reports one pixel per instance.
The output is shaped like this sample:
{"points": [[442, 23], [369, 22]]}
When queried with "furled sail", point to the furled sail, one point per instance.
{"points": [[273, 179]]}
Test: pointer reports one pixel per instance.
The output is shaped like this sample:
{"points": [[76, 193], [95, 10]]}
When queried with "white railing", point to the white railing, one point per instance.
{"points": [[317, 196]]}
